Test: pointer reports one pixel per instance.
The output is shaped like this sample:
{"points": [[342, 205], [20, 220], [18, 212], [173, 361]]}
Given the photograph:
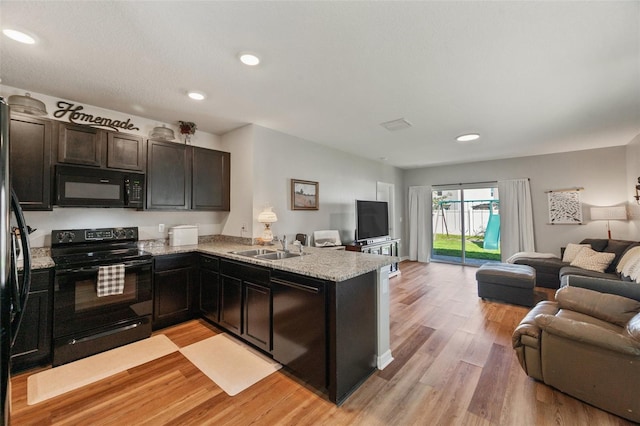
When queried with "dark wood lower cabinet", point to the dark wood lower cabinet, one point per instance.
{"points": [[209, 288], [245, 302], [325, 332], [231, 304], [352, 318], [257, 315], [33, 342], [173, 280]]}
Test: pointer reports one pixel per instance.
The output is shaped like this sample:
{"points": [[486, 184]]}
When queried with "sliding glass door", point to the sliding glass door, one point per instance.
{"points": [[466, 224]]}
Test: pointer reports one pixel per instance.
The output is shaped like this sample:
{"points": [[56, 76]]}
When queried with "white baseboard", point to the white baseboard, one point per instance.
{"points": [[384, 360]]}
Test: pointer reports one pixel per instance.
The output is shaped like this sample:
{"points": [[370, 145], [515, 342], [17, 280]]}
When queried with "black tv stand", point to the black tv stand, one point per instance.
{"points": [[385, 246]]}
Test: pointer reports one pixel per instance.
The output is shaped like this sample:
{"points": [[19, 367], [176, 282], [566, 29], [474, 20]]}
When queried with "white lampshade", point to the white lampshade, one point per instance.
{"points": [[609, 213], [267, 216]]}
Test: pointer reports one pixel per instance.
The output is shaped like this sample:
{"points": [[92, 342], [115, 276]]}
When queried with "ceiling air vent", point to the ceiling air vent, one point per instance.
{"points": [[394, 125]]}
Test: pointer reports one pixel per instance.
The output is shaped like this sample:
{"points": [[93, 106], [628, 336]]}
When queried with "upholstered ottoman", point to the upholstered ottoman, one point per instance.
{"points": [[507, 282]]}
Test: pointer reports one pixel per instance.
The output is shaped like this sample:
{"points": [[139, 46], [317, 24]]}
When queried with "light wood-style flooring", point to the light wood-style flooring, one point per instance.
{"points": [[453, 365]]}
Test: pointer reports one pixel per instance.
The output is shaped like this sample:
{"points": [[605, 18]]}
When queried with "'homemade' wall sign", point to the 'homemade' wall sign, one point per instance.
{"points": [[77, 117]]}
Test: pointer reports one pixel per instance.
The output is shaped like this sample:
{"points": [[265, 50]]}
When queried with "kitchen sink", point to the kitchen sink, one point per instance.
{"points": [[266, 254], [277, 255], [254, 252]]}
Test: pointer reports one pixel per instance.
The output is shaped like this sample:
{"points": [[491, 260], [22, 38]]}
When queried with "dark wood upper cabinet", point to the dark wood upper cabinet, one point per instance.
{"points": [[211, 179], [187, 177], [30, 157], [168, 175], [90, 146], [80, 145], [125, 151]]}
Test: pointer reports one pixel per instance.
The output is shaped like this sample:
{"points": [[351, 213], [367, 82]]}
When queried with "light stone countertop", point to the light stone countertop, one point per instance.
{"points": [[322, 263], [40, 259]]}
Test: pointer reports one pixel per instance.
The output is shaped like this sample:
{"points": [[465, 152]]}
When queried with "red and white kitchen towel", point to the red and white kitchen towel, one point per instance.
{"points": [[110, 280]]}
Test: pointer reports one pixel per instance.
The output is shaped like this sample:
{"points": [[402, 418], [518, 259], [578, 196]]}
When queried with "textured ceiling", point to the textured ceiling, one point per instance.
{"points": [[530, 77]]}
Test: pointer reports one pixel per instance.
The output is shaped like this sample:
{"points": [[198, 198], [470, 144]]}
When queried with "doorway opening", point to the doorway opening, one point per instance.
{"points": [[466, 224]]}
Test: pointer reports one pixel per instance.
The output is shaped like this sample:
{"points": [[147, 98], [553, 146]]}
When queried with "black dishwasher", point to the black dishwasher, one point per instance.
{"points": [[300, 325]]}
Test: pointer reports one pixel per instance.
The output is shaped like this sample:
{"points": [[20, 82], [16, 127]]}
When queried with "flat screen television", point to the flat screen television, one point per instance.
{"points": [[372, 220]]}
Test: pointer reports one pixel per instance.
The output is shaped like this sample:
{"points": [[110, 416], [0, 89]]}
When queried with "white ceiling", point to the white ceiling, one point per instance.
{"points": [[530, 77]]}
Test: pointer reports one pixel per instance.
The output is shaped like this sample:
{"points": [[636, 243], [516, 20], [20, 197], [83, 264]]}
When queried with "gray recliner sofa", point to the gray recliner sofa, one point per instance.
{"points": [[550, 271]]}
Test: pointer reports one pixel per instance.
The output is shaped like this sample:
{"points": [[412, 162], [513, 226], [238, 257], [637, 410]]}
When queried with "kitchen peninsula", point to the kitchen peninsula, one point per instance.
{"points": [[324, 314]]}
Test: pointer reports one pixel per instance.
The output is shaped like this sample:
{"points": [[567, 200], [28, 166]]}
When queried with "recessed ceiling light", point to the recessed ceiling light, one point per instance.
{"points": [[19, 36], [198, 96], [249, 59], [468, 137]]}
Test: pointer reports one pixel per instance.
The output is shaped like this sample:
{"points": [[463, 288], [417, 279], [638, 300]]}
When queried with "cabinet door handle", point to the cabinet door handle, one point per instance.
{"points": [[296, 285]]}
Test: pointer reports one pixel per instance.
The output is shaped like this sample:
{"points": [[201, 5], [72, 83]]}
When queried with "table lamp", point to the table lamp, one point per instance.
{"points": [[267, 216], [608, 214]]}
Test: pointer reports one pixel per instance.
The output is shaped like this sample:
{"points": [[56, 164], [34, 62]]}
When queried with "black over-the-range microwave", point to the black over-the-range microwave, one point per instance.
{"points": [[78, 186]]}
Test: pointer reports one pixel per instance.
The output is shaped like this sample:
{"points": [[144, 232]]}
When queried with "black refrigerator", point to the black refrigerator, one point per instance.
{"points": [[14, 237]]}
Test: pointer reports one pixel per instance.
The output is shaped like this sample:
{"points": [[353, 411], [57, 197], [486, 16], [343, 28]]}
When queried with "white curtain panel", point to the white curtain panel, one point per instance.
{"points": [[516, 217], [419, 223]]}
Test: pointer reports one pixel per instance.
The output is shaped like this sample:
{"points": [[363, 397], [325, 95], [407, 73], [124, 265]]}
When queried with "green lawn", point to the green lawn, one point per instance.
{"points": [[450, 245]]}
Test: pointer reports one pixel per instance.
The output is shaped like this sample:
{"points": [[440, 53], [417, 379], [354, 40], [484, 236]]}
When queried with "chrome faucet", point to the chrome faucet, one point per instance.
{"points": [[300, 246], [285, 246]]}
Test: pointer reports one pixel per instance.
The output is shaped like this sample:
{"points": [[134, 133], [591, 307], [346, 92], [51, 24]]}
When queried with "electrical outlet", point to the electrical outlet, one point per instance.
{"points": [[161, 227]]}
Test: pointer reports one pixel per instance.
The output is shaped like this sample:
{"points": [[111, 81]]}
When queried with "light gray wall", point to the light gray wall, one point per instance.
{"points": [[239, 143], [272, 159], [633, 174], [601, 172]]}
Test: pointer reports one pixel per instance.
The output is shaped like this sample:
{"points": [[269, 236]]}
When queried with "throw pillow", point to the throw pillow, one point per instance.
{"points": [[598, 244], [592, 260], [572, 250], [633, 328]]}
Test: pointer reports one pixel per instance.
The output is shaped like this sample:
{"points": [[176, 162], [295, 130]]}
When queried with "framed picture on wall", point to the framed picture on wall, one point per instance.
{"points": [[565, 207], [304, 195]]}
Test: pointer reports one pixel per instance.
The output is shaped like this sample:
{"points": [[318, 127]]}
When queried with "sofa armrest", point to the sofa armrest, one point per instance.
{"points": [[528, 332], [526, 339], [627, 289], [547, 270], [589, 334]]}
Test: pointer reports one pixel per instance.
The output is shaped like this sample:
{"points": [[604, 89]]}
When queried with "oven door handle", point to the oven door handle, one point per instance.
{"points": [[127, 265]]}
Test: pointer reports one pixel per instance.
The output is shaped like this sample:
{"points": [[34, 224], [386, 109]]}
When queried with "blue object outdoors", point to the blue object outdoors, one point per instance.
{"points": [[492, 233]]}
